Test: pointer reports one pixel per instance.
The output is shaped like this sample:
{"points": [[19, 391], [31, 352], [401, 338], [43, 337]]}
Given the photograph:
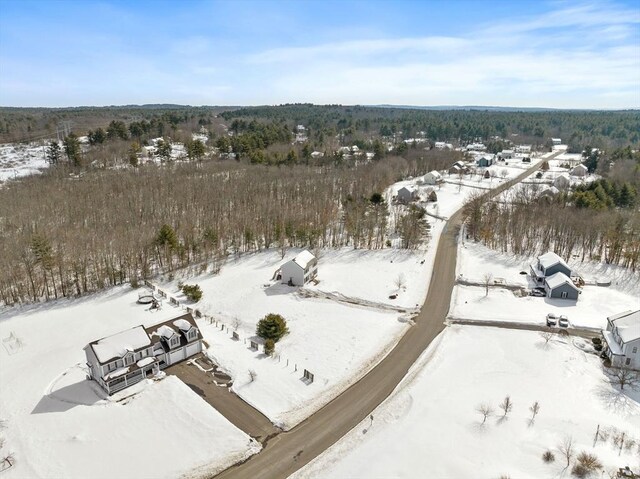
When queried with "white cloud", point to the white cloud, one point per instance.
{"points": [[584, 55]]}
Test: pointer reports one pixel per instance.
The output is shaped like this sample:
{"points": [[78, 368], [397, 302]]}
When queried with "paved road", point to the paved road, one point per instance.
{"points": [[586, 333], [289, 451], [238, 412]]}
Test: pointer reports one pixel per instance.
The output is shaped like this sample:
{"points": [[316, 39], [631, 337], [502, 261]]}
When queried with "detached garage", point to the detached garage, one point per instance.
{"points": [[560, 286]]}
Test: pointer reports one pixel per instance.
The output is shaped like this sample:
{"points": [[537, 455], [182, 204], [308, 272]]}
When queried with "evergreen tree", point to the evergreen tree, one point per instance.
{"points": [[272, 326], [73, 150], [54, 154], [97, 137]]}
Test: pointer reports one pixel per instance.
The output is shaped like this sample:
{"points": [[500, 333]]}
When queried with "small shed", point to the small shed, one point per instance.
{"points": [[432, 178], [560, 286], [300, 270], [507, 154], [484, 161], [550, 192], [407, 194], [579, 170], [562, 182]]}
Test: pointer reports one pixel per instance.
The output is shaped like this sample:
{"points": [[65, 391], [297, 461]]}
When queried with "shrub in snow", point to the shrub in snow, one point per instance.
{"points": [[272, 326], [269, 347], [589, 462], [192, 291], [580, 471], [548, 456]]}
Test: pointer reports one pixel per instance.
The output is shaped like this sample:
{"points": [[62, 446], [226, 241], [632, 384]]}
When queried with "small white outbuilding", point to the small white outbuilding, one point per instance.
{"points": [[300, 270], [579, 170], [432, 178], [562, 182]]}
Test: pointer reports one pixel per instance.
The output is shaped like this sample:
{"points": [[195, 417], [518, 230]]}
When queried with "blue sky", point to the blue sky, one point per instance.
{"points": [[560, 54]]}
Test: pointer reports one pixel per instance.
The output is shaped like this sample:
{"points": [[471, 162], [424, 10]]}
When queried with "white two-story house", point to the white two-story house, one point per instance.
{"points": [[125, 358], [622, 339], [300, 270]]}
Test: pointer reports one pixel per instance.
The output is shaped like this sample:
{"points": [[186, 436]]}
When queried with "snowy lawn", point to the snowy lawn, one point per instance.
{"points": [[338, 343], [430, 426], [60, 425], [591, 309]]}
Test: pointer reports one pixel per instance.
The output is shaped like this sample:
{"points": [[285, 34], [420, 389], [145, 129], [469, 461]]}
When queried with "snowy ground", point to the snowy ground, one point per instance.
{"points": [[60, 425], [429, 427], [338, 343], [591, 310], [21, 160]]}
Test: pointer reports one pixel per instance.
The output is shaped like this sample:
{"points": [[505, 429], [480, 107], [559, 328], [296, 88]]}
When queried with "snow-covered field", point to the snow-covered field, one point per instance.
{"points": [[337, 342], [591, 309], [348, 325], [58, 424], [430, 426], [18, 160]]}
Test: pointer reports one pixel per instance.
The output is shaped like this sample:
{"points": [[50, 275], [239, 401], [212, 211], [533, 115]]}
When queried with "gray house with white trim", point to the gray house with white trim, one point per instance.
{"points": [[622, 339], [547, 265], [126, 358]]}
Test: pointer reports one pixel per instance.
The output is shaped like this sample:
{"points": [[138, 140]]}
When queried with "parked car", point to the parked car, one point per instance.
{"points": [[552, 319], [537, 293], [563, 322]]}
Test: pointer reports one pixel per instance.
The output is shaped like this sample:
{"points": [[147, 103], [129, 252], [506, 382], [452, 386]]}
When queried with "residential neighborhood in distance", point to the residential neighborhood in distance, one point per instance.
{"points": [[320, 240]]}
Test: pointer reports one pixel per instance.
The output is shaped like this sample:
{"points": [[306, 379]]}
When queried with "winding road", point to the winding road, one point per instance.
{"points": [[289, 451]]}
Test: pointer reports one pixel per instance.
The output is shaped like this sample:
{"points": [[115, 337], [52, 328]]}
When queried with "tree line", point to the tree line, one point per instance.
{"points": [[65, 235]]}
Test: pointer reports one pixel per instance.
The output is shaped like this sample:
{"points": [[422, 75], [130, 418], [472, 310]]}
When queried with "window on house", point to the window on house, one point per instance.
{"points": [[635, 350], [627, 362], [564, 295]]}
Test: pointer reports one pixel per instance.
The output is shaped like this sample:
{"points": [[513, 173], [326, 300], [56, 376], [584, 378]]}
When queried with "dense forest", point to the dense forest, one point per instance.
{"points": [[109, 211], [64, 235]]}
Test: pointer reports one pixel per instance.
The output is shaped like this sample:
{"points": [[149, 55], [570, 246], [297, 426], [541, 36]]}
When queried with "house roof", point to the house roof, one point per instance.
{"points": [[304, 258], [550, 259], [550, 191], [435, 174], [164, 331], [627, 324], [117, 345], [580, 166], [558, 279], [182, 324], [158, 329]]}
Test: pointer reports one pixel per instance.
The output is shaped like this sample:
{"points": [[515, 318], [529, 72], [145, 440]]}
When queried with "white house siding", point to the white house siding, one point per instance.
{"points": [[294, 272]]}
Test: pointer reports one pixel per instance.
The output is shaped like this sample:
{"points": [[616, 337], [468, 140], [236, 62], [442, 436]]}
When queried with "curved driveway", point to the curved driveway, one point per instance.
{"points": [[289, 451]]}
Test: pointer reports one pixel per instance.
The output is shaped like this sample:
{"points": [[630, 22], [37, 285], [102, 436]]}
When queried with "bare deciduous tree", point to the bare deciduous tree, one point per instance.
{"points": [[566, 449], [400, 281], [486, 279], [506, 405], [485, 410], [535, 409], [623, 377], [547, 336]]}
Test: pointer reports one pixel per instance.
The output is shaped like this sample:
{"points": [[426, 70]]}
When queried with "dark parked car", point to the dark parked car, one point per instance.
{"points": [[552, 319], [537, 293]]}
